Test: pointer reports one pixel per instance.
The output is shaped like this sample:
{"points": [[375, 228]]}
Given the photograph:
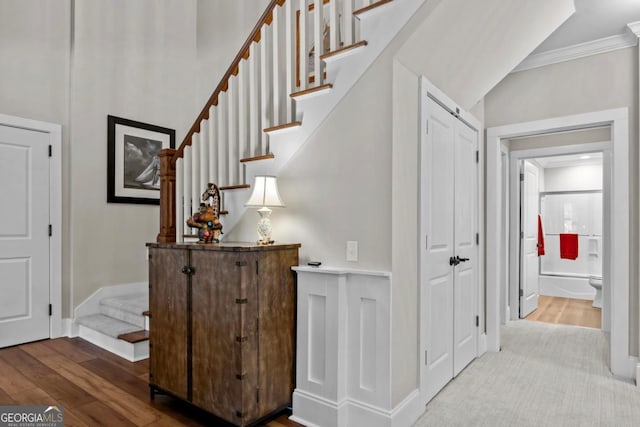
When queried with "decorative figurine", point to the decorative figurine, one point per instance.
{"points": [[206, 220]]}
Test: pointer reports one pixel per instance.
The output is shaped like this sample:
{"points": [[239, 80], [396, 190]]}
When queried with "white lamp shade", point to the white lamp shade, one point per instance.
{"points": [[265, 193]]}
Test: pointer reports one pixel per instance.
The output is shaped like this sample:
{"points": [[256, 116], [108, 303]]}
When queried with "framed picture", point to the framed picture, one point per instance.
{"points": [[307, 53], [133, 165]]}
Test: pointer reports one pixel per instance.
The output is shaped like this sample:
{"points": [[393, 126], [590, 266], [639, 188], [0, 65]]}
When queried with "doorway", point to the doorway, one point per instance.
{"points": [[561, 236], [616, 246], [30, 230]]}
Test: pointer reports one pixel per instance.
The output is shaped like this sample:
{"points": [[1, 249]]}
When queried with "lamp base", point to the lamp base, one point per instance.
{"points": [[265, 243], [264, 227]]}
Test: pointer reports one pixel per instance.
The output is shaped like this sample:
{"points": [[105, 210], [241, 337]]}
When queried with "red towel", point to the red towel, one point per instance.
{"points": [[568, 245], [540, 237]]}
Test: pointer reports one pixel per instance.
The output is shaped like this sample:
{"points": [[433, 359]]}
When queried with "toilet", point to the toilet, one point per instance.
{"points": [[596, 282]]}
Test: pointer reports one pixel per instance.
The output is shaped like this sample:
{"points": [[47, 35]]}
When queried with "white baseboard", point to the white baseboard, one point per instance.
{"points": [[66, 327], [482, 344], [92, 304], [315, 411], [133, 352]]}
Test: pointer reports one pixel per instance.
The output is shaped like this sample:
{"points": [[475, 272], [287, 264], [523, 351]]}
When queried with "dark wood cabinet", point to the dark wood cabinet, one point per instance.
{"points": [[222, 326]]}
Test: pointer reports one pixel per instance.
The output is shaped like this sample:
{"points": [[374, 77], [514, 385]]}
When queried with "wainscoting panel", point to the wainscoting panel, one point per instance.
{"points": [[343, 360]]}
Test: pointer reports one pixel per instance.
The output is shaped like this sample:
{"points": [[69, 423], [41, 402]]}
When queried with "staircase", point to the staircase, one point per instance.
{"points": [[121, 326], [290, 73]]}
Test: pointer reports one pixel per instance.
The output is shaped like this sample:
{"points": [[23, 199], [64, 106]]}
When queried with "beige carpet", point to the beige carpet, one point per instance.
{"points": [[545, 375]]}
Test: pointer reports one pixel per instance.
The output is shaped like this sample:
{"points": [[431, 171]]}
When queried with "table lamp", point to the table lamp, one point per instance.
{"points": [[265, 195]]}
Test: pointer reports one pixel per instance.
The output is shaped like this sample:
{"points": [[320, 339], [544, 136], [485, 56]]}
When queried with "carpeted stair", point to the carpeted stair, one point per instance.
{"points": [[120, 327]]}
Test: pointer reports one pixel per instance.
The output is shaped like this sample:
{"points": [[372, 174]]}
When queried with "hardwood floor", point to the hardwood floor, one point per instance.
{"points": [[96, 388], [566, 311]]}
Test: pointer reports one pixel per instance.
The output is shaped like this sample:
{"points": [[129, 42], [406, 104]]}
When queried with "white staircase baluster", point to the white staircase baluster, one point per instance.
{"points": [[347, 22], [303, 48], [276, 41], [334, 25], [290, 61], [265, 87], [243, 111], [213, 145], [195, 172], [204, 153], [232, 112], [180, 221], [222, 140], [318, 41], [255, 130], [187, 186]]}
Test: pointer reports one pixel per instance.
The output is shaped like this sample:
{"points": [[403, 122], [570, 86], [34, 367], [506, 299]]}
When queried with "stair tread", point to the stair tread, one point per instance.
{"points": [[134, 337], [343, 50], [358, 13], [132, 303], [107, 325], [256, 158], [312, 90], [283, 127]]}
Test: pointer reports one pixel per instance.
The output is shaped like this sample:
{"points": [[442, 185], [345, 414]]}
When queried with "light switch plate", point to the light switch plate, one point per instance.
{"points": [[352, 251]]}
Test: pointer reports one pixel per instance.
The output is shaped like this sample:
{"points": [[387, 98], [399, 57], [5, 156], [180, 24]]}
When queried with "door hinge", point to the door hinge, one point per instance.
{"points": [[477, 156], [50, 310], [426, 241], [522, 234], [427, 125], [477, 238], [50, 151], [521, 293], [477, 321], [521, 177], [50, 230], [425, 357]]}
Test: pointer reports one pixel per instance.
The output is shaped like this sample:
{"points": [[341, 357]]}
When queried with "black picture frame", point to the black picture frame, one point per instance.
{"points": [[133, 166]]}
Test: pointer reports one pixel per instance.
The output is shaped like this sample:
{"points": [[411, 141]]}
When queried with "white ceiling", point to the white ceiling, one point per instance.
{"points": [[593, 20]]}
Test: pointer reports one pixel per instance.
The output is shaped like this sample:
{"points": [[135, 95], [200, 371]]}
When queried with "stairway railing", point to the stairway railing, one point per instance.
{"points": [[253, 100]]}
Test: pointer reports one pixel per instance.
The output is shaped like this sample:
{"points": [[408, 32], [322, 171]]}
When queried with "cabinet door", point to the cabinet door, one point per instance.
{"points": [[224, 353], [276, 288], [168, 306]]}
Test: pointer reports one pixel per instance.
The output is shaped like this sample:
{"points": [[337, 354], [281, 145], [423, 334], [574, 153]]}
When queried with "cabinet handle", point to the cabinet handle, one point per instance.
{"points": [[188, 270]]}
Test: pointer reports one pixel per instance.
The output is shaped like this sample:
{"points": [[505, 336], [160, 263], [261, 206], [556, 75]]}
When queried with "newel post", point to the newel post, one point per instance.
{"points": [[167, 196]]}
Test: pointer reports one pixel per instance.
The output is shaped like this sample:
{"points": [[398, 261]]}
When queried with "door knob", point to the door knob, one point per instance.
{"points": [[462, 259], [454, 260]]}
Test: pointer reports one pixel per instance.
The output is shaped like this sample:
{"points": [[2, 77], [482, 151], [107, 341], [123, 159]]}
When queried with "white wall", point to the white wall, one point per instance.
{"points": [[573, 178], [599, 82], [145, 60]]}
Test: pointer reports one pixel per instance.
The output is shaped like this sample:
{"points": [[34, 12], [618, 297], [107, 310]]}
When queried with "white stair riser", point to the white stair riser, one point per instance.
{"points": [[133, 352]]}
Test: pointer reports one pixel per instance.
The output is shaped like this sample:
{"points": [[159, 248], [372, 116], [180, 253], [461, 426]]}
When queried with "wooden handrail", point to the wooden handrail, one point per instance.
{"points": [[265, 19]]}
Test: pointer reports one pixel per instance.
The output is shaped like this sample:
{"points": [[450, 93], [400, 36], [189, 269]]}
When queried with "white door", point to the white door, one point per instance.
{"points": [[448, 204], [529, 275], [464, 302], [24, 235]]}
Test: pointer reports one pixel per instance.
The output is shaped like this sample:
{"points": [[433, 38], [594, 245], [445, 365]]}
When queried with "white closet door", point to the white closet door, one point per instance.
{"points": [[24, 236], [529, 281], [465, 273], [449, 205], [438, 219]]}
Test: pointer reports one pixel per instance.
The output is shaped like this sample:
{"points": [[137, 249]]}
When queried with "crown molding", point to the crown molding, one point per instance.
{"points": [[581, 50], [634, 27]]}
